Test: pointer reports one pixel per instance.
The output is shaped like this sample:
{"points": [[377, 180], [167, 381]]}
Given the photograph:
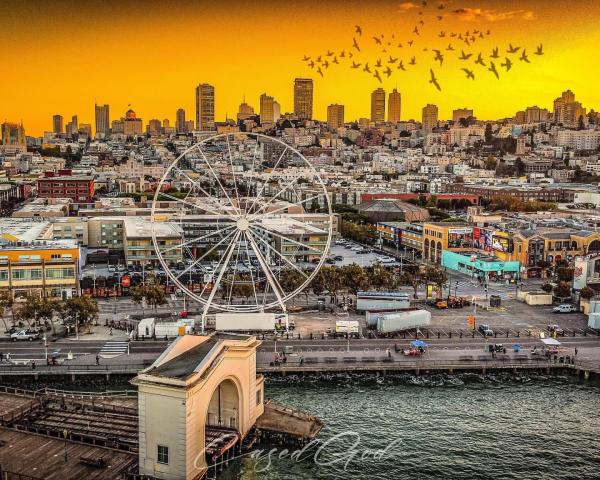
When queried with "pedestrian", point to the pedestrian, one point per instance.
{"points": [[110, 331], [1, 356], [389, 353], [97, 359], [576, 351], [33, 364], [8, 356]]}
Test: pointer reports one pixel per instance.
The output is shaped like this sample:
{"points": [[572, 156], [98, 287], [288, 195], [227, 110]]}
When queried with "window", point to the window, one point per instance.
{"points": [[258, 397], [162, 454], [3, 274]]}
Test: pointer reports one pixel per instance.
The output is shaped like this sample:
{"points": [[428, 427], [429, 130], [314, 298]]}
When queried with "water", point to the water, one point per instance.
{"points": [[442, 427]]}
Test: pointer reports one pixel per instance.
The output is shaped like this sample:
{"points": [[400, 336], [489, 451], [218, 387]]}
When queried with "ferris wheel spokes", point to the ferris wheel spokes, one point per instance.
{"points": [[283, 257], [262, 187], [198, 239], [198, 260], [217, 179]]}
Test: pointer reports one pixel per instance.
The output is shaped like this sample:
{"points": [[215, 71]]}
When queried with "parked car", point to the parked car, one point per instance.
{"points": [[486, 331], [555, 328], [564, 308], [24, 335]]}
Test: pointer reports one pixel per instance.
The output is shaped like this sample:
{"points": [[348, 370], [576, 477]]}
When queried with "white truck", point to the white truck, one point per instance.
{"points": [[397, 322], [183, 326], [377, 300], [252, 322], [145, 328], [347, 327]]}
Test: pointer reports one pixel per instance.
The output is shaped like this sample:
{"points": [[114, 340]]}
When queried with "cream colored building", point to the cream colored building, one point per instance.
{"points": [[199, 385]]}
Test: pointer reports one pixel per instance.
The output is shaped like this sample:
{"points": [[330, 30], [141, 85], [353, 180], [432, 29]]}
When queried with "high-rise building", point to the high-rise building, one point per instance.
{"points": [[205, 107], [189, 125], [57, 123], [567, 111], [12, 134], [276, 111], [180, 121], [394, 106], [459, 113], [85, 129], [131, 124], [102, 121], [430, 116], [335, 116], [154, 127], [245, 111], [72, 127], [166, 123], [303, 98], [378, 105], [536, 114], [266, 109]]}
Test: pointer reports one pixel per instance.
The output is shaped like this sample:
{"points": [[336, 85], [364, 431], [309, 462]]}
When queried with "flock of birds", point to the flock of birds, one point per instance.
{"points": [[391, 46]]}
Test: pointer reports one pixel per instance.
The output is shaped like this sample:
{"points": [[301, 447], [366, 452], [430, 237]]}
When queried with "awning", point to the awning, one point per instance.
{"points": [[551, 342], [418, 343]]}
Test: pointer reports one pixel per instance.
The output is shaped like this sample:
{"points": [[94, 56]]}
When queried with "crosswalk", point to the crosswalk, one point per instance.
{"points": [[113, 349], [466, 287]]}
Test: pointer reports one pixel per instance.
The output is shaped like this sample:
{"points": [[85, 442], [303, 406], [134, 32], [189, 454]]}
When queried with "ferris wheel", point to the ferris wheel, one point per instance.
{"points": [[241, 222]]}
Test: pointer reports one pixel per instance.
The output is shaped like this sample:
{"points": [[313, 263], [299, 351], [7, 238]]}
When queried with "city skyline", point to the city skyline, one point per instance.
{"points": [[155, 89]]}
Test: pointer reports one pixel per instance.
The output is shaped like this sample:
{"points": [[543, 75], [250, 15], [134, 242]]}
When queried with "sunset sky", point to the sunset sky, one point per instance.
{"points": [[61, 56]]}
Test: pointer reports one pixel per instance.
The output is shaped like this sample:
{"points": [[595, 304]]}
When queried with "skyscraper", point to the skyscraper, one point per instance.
{"points": [[102, 121], [394, 106], [244, 111], [180, 121], [266, 109], [378, 105], [276, 111], [205, 107], [335, 116], [303, 98], [430, 116], [567, 111], [459, 113], [57, 123], [73, 126]]}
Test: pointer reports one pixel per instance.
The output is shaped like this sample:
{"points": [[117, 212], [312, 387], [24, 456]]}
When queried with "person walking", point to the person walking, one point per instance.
{"points": [[576, 351], [33, 364], [97, 359]]}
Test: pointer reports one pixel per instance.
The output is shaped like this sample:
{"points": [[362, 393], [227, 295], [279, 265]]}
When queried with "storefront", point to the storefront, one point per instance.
{"points": [[484, 267]]}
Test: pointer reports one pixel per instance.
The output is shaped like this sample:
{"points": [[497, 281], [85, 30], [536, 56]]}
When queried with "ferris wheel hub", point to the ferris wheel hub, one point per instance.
{"points": [[243, 224]]}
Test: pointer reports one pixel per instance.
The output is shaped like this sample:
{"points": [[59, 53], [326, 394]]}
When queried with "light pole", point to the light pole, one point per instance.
{"points": [[46, 348]]}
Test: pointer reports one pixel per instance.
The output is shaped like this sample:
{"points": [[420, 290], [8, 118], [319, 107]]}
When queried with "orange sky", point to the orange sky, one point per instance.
{"points": [[60, 56]]}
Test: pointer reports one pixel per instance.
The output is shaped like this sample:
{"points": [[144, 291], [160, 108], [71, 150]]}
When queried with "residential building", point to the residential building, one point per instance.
{"points": [[63, 184], [459, 113]]}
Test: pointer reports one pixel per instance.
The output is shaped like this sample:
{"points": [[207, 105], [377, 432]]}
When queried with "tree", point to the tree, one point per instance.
{"points": [[290, 280], [29, 309], [562, 290], [488, 134], [355, 278], [381, 278], [587, 293], [490, 163], [436, 276], [6, 302], [332, 280], [547, 287], [519, 167], [47, 308], [317, 284], [81, 311], [565, 274], [413, 280]]}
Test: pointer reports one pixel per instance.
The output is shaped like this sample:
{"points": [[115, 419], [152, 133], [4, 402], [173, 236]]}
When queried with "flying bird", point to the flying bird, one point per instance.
{"points": [[450, 48], [399, 45], [464, 56], [326, 64], [434, 81], [524, 57], [388, 71], [539, 50], [469, 73], [439, 17], [512, 49], [366, 68], [376, 75], [319, 59], [358, 30], [421, 22], [342, 54], [488, 32], [329, 53], [335, 60], [355, 44], [507, 65], [378, 63], [416, 31], [401, 66], [479, 60], [410, 43], [441, 6], [493, 70], [311, 64], [453, 34], [377, 40], [392, 59], [319, 71], [438, 57], [442, 34], [413, 61], [350, 54], [495, 53], [355, 65], [305, 59]]}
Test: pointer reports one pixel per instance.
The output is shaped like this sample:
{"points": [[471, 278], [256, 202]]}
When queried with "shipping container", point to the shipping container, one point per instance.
{"points": [[374, 300], [247, 322], [397, 322]]}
